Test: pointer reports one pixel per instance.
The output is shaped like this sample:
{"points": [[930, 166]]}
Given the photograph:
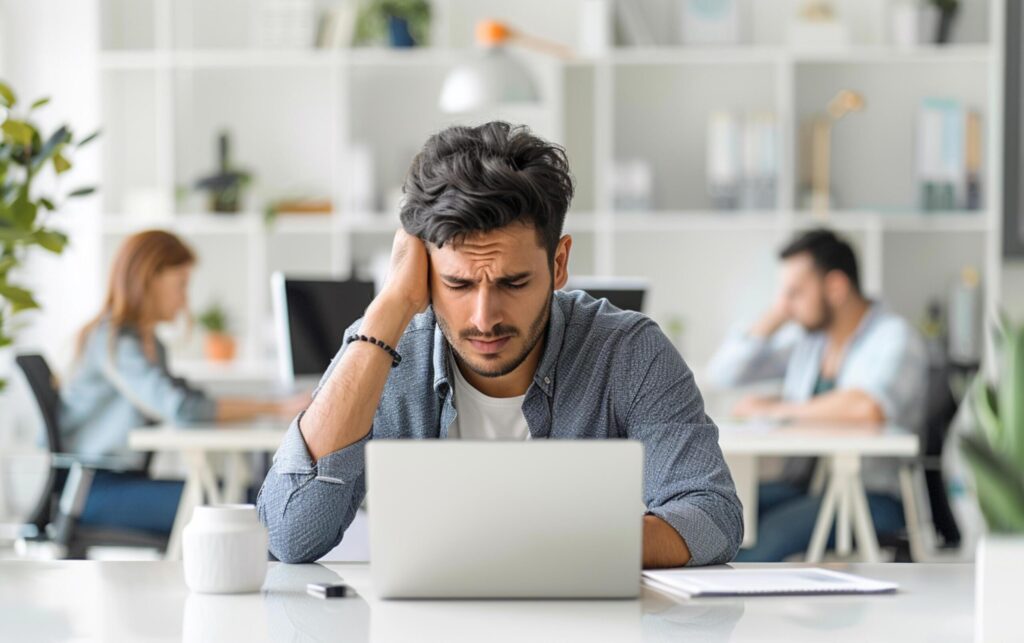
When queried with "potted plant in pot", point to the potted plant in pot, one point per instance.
{"points": [[219, 345], [995, 452], [400, 23], [26, 153]]}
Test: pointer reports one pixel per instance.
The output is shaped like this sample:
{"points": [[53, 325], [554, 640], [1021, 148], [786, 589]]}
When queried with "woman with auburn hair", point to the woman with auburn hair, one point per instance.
{"points": [[120, 382]]}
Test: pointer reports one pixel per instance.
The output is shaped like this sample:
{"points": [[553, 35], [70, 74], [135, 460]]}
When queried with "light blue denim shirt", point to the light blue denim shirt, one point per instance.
{"points": [[114, 388], [604, 373], [885, 358]]}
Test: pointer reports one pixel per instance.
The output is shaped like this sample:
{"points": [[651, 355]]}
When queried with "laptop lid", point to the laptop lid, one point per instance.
{"points": [[481, 519]]}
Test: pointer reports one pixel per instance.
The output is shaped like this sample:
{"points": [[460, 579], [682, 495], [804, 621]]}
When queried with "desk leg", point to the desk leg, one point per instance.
{"points": [[191, 497], [744, 475], [867, 538], [236, 477], [199, 482], [826, 517]]}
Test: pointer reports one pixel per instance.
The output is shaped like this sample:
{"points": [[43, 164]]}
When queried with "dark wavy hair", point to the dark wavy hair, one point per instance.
{"points": [[828, 252], [477, 179]]}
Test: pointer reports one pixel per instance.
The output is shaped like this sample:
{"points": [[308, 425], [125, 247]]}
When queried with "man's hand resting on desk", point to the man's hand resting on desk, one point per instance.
{"points": [[242, 409], [844, 406]]}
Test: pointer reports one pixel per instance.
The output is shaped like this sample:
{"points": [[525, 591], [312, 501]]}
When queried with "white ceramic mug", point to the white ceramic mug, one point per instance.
{"points": [[224, 548]]}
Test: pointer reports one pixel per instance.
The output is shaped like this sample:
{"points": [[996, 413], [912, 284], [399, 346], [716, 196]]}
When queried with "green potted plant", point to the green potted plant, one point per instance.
{"points": [[26, 153], [219, 345], [400, 23], [994, 450], [226, 186]]}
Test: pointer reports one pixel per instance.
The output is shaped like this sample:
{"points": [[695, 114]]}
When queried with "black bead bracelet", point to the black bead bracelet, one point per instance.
{"points": [[396, 359]]}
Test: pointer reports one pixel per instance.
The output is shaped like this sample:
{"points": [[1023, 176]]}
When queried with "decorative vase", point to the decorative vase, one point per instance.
{"points": [[224, 549], [219, 347], [398, 31]]}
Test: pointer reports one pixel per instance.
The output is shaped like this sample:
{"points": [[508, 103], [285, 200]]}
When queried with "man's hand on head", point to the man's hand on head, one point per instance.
{"points": [[408, 282]]}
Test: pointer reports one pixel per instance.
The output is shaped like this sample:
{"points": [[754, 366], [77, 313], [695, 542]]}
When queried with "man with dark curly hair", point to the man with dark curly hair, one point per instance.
{"points": [[474, 339]]}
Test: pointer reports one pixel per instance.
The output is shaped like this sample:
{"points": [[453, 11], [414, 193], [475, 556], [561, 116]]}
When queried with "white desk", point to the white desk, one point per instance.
{"points": [[843, 447], [148, 601]]}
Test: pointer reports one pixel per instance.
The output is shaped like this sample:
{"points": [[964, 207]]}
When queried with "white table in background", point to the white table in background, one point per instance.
{"points": [[842, 447], [148, 601], [198, 444]]}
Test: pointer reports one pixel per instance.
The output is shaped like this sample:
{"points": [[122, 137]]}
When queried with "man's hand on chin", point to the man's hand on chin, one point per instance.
{"points": [[663, 546]]}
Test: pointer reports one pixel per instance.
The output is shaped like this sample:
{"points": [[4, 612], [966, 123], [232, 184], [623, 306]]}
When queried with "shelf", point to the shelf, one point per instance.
{"points": [[946, 221], [655, 221], [761, 55], [261, 58], [623, 56]]}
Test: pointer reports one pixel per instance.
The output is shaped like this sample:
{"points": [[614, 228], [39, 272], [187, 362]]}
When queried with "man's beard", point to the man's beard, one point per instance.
{"points": [[827, 317], [536, 332]]}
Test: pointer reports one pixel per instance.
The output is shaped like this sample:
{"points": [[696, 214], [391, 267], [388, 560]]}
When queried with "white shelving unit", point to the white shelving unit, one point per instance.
{"points": [[169, 88]]}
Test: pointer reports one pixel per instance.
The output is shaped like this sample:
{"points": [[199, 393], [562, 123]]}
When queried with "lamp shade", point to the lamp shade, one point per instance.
{"points": [[493, 77]]}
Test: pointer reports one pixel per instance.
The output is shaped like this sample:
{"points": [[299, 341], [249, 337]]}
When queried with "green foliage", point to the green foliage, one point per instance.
{"points": [[214, 319], [25, 153], [372, 22], [995, 450]]}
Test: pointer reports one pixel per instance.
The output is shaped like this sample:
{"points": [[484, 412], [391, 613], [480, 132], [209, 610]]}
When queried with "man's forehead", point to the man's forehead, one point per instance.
{"points": [[515, 239]]}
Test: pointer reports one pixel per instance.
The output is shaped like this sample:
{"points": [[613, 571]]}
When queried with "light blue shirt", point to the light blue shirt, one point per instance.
{"points": [[114, 388], [885, 358]]}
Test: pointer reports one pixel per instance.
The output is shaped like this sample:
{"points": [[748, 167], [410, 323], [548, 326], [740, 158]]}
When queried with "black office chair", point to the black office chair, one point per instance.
{"points": [[940, 524], [55, 517]]}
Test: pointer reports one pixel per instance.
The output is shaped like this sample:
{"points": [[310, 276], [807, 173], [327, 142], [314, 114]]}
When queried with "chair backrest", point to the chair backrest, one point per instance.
{"points": [[44, 389], [941, 409]]}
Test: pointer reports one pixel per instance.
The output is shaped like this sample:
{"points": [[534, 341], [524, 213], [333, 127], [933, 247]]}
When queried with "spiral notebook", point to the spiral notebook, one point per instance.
{"points": [[761, 582]]}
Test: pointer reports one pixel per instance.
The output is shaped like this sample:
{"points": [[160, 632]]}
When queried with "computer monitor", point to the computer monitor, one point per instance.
{"points": [[310, 318], [626, 293]]}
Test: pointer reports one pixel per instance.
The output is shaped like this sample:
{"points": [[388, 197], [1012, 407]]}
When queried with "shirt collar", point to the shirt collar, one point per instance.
{"points": [[543, 378]]}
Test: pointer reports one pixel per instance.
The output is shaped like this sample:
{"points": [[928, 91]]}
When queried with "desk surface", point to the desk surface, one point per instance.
{"points": [[148, 601], [735, 438]]}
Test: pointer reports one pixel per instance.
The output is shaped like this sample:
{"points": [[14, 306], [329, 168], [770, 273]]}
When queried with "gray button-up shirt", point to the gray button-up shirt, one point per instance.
{"points": [[604, 373]]}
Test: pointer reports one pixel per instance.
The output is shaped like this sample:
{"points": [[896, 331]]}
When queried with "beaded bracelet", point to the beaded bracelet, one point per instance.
{"points": [[396, 359]]}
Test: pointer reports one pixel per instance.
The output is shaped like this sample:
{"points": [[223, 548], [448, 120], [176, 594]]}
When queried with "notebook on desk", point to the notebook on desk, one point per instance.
{"points": [[690, 583]]}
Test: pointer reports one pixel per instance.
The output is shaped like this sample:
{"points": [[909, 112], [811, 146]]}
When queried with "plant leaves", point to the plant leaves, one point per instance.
{"points": [[983, 403], [88, 139], [19, 298], [39, 103], [998, 484], [19, 132], [24, 212], [1011, 392], [6, 264], [13, 235], [51, 147], [81, 192], [47, 203], [7, 95], [60, 164], [51, 240]]}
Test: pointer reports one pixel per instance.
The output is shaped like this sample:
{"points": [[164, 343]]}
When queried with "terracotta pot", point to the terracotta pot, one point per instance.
{"points": [[220, 347]]}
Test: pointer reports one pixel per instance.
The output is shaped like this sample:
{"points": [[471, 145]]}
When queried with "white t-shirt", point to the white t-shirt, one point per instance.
{"points": [[481, 417]]}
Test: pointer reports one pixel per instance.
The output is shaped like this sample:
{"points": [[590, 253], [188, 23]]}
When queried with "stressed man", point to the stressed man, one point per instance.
{"points": [[472, 338], [843, 359]]}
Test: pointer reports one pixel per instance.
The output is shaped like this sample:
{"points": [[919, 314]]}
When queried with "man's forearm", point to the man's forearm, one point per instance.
{"points": [[342, 412], [838, 406], [663, 546]]}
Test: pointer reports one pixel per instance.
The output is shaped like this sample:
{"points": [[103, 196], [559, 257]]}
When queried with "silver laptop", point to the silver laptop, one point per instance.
{"points": [[474, 519]]}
